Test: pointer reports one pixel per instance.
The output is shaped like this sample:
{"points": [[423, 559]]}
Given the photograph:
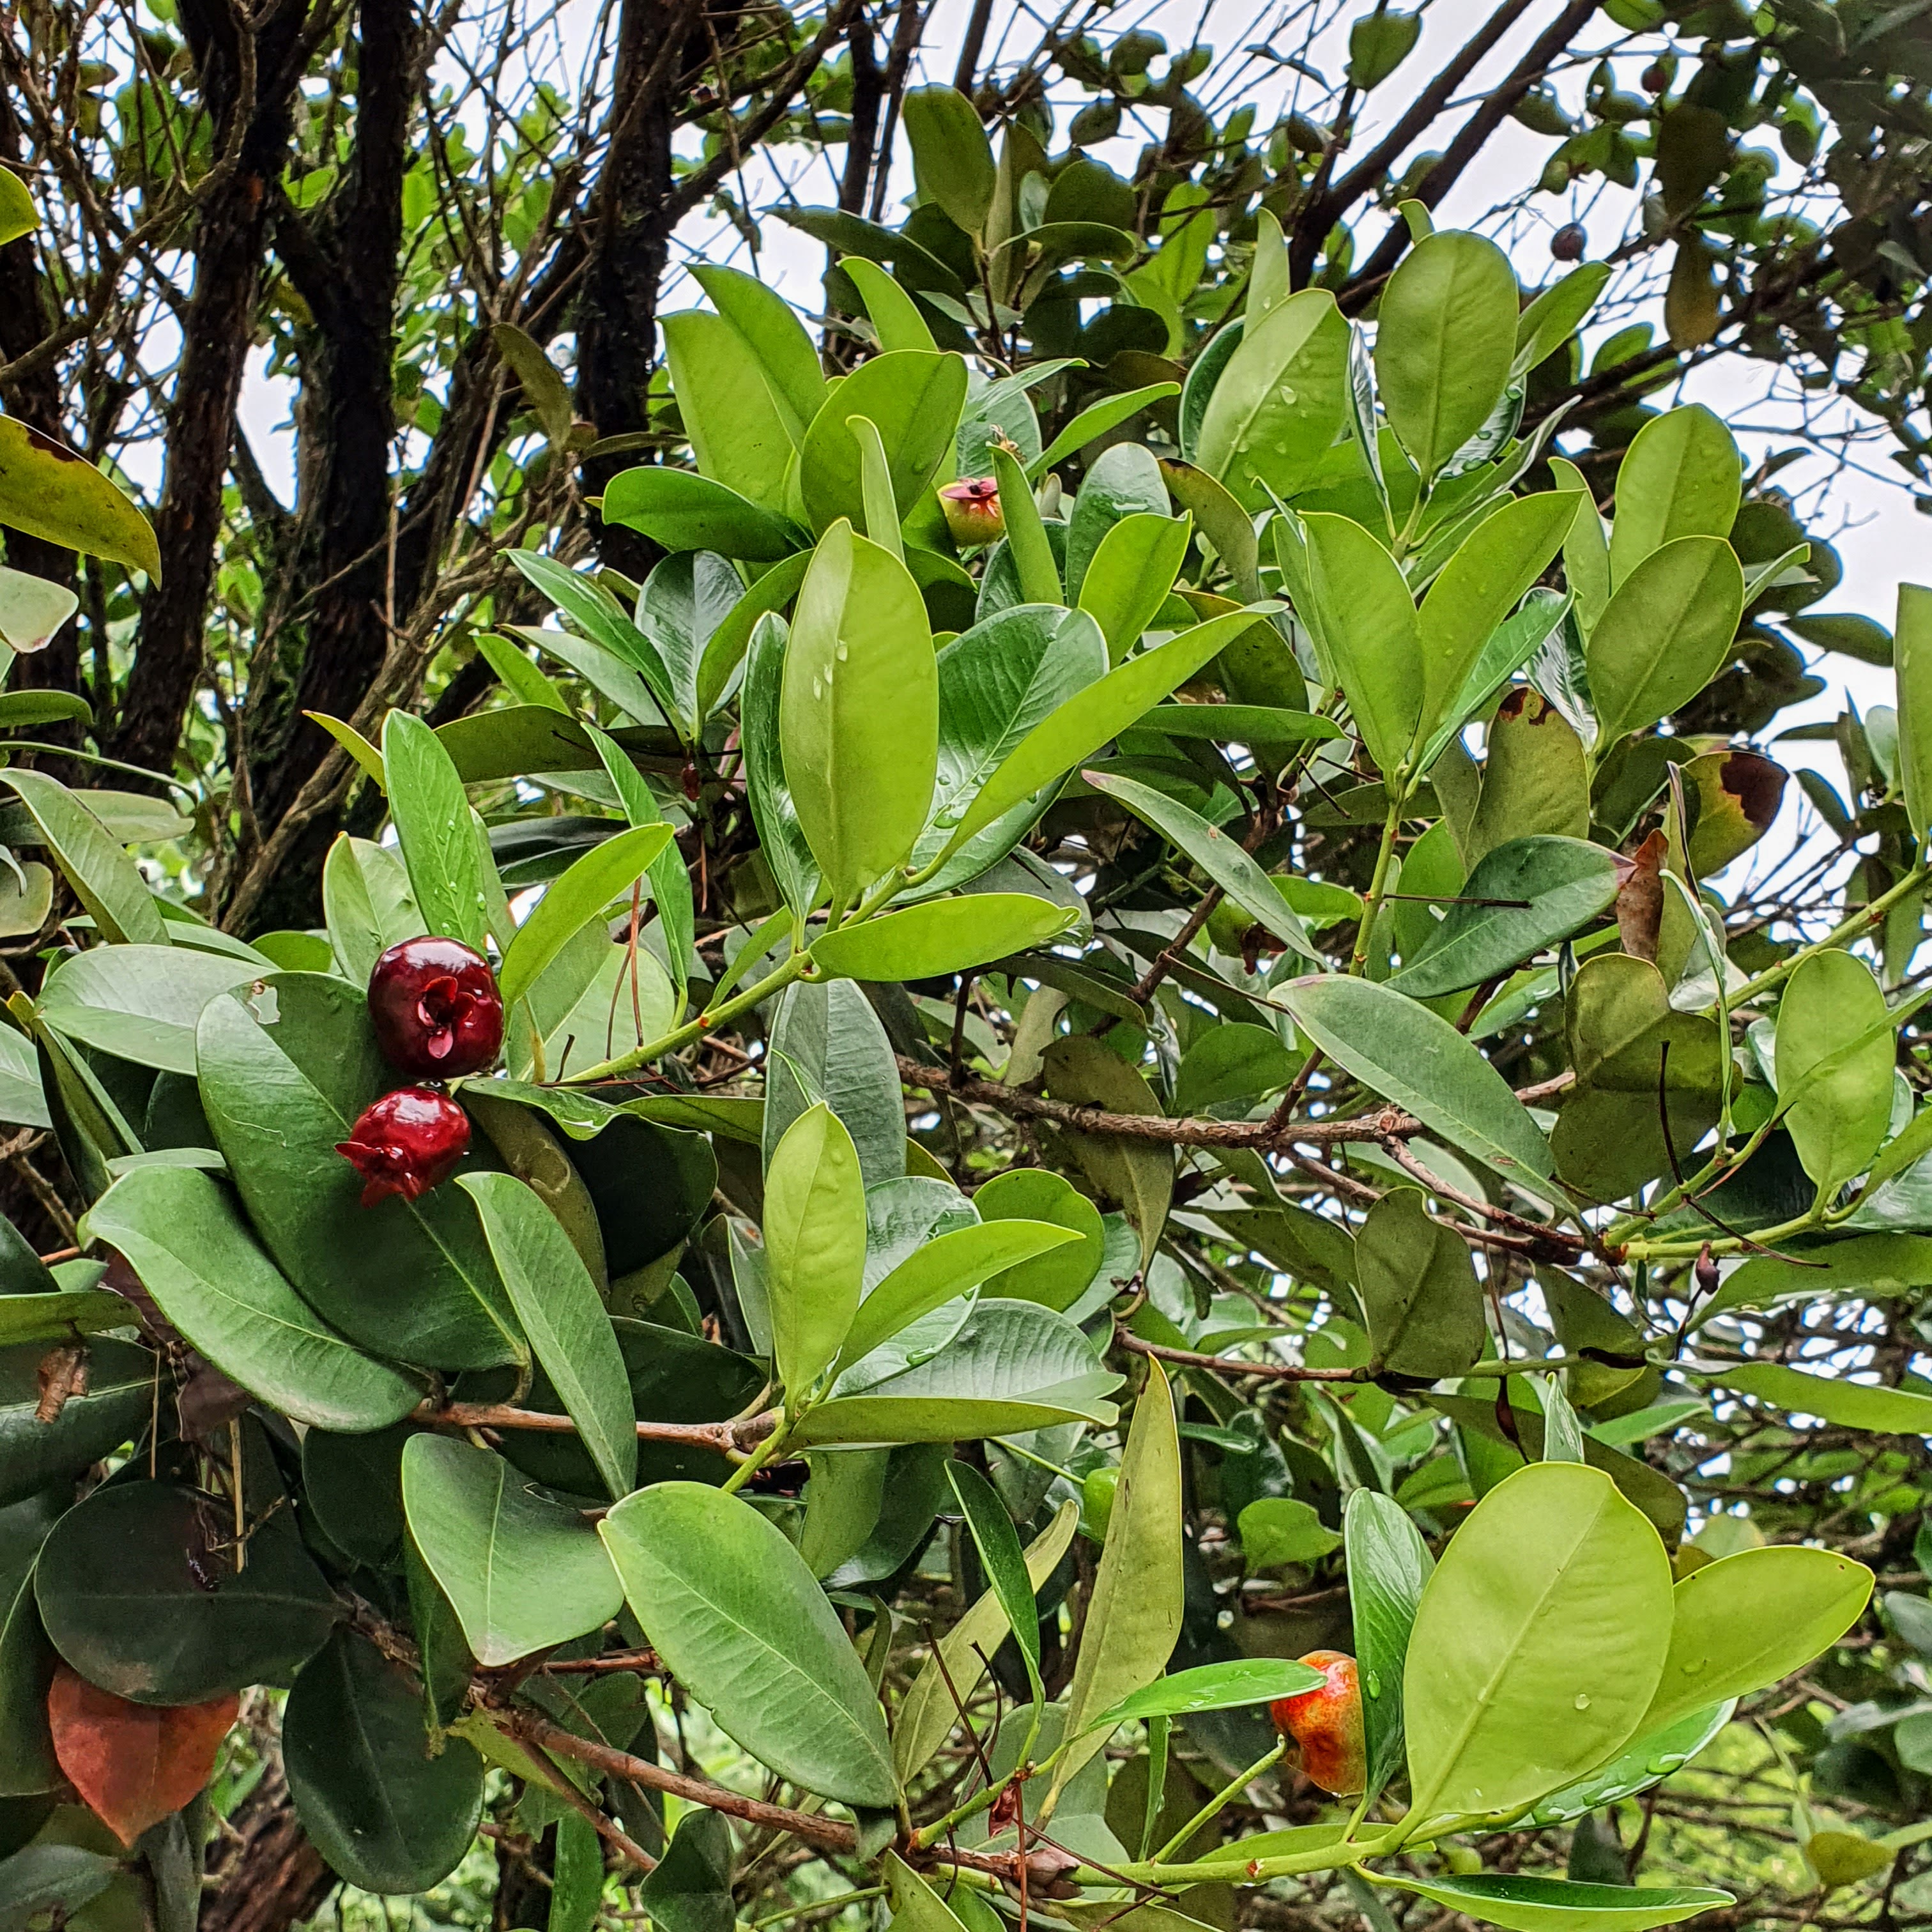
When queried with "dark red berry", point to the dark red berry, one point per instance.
{"points": [[406, 1143], [1567, 244], [437, 1011]]}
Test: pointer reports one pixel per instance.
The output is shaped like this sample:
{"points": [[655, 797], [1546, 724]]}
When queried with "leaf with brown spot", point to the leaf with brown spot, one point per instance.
{"points": [[1640, 897], [133, 1764]]}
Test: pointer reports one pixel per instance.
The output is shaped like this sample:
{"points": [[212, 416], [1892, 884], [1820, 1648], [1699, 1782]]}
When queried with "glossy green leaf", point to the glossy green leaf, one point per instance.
{"points": [[1389, 1565], [1367, 620], [60, 1314], [181, 1232], [1095, 420], [670, 883], [1567, 883], [366, 903], [1518, 1902], [1011, 1367], [1222, 858], [1131, 575], [283, 1076], [827, 1044], [1912, 657], [914, 399], [1747, 1621], [682, 512], [743, 431], [775, 813], [28, 1766], [1834, 1053], [760, 316], [894, 317], [1445, 338], [941, 1269], [859, 715], [521, 1572], [1056, 1277], [1004, 1562], [1406, 1053], [1077, 728], [1849, 1405], [814, 1228], [1124, 480], [1419, 1290], [1279, 1530], [52, 492], [104, 879], [952, 161], [387, 1815], [114, 1411], [1240, 723], [140, 1003], [122, 1604], [1215, 1687], [1134, 1616], [728, 1604], [928, 1712], [942, 936], [690, 1890], [1655, 1754], [1664, 634], [1681, 477], [1539, 1643], [431, 814], [572, 901], [1280, 402], [557, 1304]]}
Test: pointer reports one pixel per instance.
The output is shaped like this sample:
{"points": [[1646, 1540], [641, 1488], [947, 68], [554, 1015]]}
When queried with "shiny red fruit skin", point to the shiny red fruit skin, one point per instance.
{"points": [[435, 1007], [1326, 1724], [407, 1143]]}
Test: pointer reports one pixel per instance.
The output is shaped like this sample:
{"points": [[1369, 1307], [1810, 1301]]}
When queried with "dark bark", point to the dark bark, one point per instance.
{"points": [[347, 265], [26, 318], [230, 247], [264, 1875], [629, 245]]}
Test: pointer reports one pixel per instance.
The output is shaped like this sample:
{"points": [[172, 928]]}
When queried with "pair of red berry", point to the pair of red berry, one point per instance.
{"points": [[437, 1015]]}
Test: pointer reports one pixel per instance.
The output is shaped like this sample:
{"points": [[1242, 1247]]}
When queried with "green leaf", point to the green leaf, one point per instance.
{"points": [[814, 1228], [1912, 656], [727, 1601], [1280, 402], [1003, 1559], [1419, 1290], [1389, 1566], [942, 936], [51, 493], [1139, 1174], [1124, 481], [952, 159], [104, 879], [781, 838], [140, 1002], [896, 321], [1654, 1755], [1681, 477], [1134, 1616], [1362, 608], [1058, 1277], [431, 814], [1131, 575], [928, 1712], [1095, 420], [1664, 634], [1406, 1052], [609, 641], [1011, 1367], [114, 1411], [1539, 1643], [914, 400], [122, 1605], [726, 652], [577, 1884], [744, 431], [32, 610], [1835, 1054], [691, 1889], [670, 883], [1557, 313], [682, 512], [686, 599], [827, 1044], [366, 902], [1080, 726], [1877, 1266], [1215, 1687], [557, 1303], [574, 900], [522, 1573], [1481, 585], [1240, 723], [283, 1077], [939, 1270], [1568, 882], [787, 356], [55, 1881], [18, 215], [60, 1314], [387, 1815], [1519, 1902], [1849, 1405], [1222, 858], [181, 1233], [28, 1766], [1747, 1621], [859, 715], [1378, 43], [1275, 1530], [1445, 338]]}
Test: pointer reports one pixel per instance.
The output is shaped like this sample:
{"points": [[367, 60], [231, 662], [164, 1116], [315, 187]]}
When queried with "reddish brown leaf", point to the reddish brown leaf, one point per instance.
{"points": [[133, 1763], [1640, 897]]}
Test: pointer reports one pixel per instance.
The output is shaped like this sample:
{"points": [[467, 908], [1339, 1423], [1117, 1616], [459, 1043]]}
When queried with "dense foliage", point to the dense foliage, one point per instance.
{"points": [[1095, 1053]]}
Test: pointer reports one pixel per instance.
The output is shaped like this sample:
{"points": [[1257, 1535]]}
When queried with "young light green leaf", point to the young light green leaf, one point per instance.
{"points": [[1280, 402], [557, 1303], [1131, 575], [682, 512], [1521, 1902], [1664, 634], [1389, 1564], [431, 812], [574, 898], [728, 1602], [942, 936], [1214, 1687], [1681, 477], [952, 159], [104, 879], [1835, 1055], [1367, 619], [914, 399], [815, 1240], [760, 316], [1912, 654]]}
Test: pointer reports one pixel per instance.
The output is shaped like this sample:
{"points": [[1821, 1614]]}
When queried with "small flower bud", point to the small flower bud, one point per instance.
{"points": [[973, 512]]}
